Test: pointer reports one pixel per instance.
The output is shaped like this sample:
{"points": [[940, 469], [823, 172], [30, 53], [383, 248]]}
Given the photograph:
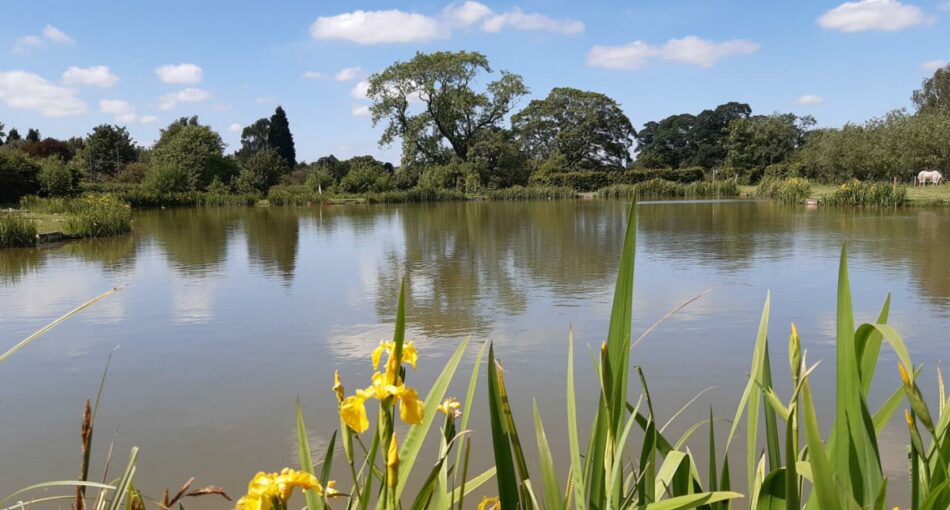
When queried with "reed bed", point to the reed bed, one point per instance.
{"points": [[533, 193], [385, 425], [16, 231], [658, 188], [857, 193], [788, 191]]}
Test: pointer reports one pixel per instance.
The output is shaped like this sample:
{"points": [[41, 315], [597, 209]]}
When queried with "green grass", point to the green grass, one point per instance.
{"points": [[788, 191], [867, 194], [532, 193], [658, 189], [16, 231]]}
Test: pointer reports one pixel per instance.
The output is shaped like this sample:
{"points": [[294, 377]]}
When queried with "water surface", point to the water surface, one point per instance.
{"points": [[226, 316]]}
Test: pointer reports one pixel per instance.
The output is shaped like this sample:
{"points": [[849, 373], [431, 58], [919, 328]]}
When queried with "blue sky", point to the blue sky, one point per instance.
{"points": [[67, 66]]}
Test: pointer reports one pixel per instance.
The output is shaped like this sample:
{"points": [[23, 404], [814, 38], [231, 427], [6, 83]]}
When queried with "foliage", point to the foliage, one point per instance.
{"points": [[365, 177], [295, 195], [279, 137], [756, 142], [254, 138], [452, 175], [687, 140], [197, 150], [415, 195], [141, 197], [658, 188], [589, 129], [793, 190], [594, 180], [934, 93], [498, 161], [18, 175], [429, 103], [532, 193], [319, 180], [48, 147], [164, 178], [868, 194], [56, 178], [98, 216], [107, 149], [260, 171], [16, 231]]}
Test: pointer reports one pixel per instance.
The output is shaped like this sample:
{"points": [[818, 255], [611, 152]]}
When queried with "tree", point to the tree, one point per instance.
{"points": [[934, 93], [588, 128], [279, 137], [757, 142], [17, 175], [2, 134], [56, 178], [254, 139], [196, 149], [32, 135], [48, 147], [686, 140], [429, 102], [174, 127], [107, 149], [13, 136], [261, 171], [498, 160]]}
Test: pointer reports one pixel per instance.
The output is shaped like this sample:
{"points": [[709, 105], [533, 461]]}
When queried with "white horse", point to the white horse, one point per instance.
{"points": [[929, 176]]}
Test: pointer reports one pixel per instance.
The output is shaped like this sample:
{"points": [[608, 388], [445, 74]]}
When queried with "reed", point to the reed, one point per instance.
{"points": [[658, 188], [533, 193], [16, 231], [788, 191], [857, 193]]}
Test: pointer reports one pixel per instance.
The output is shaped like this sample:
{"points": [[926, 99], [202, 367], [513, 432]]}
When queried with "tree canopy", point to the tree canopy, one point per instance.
{"points": [[195, 149], [430, 103], [108, 148], [934, 94], [279, 137], [759, 141], [686, 140], [589, 129]]}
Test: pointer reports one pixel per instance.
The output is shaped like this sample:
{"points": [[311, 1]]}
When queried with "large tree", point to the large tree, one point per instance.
{"points": [[686, 140], [32, 135], [108, 148], [762, 140], [279, 137], [195, 149], [589, 129], [934, 93], [254, 139], [430, 103]]}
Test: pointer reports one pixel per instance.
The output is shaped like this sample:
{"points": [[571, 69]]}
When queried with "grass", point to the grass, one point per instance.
{"points": [[867, 194], [91, 215], [16, 231], [532, 193], [658, 188], [788, 191], [625, 461]]}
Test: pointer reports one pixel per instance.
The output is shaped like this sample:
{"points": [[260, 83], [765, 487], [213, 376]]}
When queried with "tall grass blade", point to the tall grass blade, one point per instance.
{"points": [[552, 491], [577, 469], [125, 481], [314, 502], [508, 492], [693, 500]]}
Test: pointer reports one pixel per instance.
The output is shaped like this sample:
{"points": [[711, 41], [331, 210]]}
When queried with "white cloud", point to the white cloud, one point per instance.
{"points": [[932, 65], [122, 110], [887, 15], [148, 119], [350, 73], [266, 99], [313, 75], [181, 73], [471, 12], [360, 90], [50, 33], [189, 95], [809, 100], [360, 111], [21, 89], [235, 128], [688, 50], [376, 27], [98, 76], [56, 35]]}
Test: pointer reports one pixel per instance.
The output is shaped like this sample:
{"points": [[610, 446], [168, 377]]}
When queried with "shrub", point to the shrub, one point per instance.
{"points": [[415, 195], [788, 191], [56, 178], [319, 180], [16, 231], [595, 180], [293, 194], [868, 194], [364, 177], [144, 198], [164, 178], [18, 175], [133, 173], [260, 171], [582, 181], [658, 188], [532, 193]]}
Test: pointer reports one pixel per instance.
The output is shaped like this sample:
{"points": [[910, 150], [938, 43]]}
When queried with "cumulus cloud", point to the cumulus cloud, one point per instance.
{"points": [[360, 111], [97, 76], [360, 90], [313, 75], [189, 95], [886, 15], [21, 89], [235, 128], [49, 34], [395, 26], [932, 65], [180, 73], [148, 119], [376, 27], [350, 73], [471, 13], [122, 110], [688, 50], [809, 100]]}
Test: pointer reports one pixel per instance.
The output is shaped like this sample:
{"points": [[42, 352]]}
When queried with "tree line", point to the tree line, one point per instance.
{"points": [[455, 134]]}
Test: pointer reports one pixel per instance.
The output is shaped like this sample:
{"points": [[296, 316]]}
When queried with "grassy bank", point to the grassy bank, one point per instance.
{"points": [[92, 215], [657, 188], [916, 196]]}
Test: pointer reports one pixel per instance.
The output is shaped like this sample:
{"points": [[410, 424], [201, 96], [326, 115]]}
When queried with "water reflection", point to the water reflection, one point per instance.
{"points": [[195, 241], [272, 237]]}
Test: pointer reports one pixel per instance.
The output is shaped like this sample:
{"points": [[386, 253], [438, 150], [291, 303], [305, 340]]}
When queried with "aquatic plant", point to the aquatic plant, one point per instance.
{"points": [[532, 193], [97, 216], [868, 194], [659, 188], [793, 190], [16, 231]]}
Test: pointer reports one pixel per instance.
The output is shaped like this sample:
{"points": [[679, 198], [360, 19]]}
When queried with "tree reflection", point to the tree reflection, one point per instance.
{"points": [[16, 263], [195, 241], [272, 237]]}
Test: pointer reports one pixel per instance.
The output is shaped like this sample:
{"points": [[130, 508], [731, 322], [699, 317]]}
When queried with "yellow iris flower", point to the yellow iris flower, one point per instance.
{"points": [[353, 410], [409, 353], [489, 504], [384, 385], [267, 489], [451, 407]]}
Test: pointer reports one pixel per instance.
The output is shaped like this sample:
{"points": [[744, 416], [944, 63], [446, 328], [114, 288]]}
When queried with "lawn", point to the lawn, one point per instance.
{"points": [[45, 223]]}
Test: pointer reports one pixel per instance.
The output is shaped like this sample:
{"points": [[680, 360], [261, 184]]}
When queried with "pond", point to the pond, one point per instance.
{"points": [[226, 316]]}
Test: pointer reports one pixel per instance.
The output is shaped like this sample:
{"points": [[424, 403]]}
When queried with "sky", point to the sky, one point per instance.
{"points": [[67, 66]]}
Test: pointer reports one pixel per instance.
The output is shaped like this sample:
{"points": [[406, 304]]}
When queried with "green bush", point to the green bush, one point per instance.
{"points": [[141, 198], [415, 195], [16, 231], [364, 177], [788, 191], [260, 172], [595, 180], [658, 188], [868, 194], [532, 193], [293, 194], [97, 216], [18, 175], [319, 180], [582, 181], [56, 178], [164, 178]]}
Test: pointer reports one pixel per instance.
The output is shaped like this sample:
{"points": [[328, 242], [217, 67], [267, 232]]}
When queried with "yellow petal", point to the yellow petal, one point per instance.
{"points": [[411, 408], [291, 478], [409, 354], [489, 503], [353, 413], [337, 386], [263, 485], [392, 462], [248, 503], [378, 353], [450, 407]]}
